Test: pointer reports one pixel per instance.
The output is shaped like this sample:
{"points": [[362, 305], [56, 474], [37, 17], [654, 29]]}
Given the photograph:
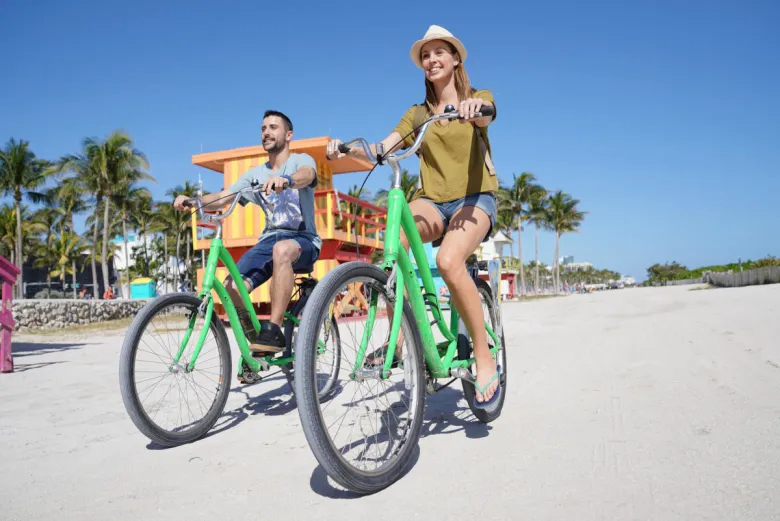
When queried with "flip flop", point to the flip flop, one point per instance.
{"points": [[496, 394]]}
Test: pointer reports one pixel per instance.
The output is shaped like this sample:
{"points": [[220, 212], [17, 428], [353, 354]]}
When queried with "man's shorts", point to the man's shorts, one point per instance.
{"points": [[257, 266], [485, 201]]}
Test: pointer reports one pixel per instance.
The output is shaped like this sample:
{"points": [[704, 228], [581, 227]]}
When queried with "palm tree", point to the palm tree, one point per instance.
{"points": [[144, 222], [20, 174], [47, 217], [70, 194], [519, 195], [8, 232], [87, 180], [183, 220], [166, 221], [408, 186], [115, 160], [563, 216], [505, 219], [537, 211], [68, 249], [126, 198]]}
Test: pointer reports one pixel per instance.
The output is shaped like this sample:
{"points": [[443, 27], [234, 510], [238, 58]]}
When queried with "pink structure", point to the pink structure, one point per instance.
{"points": [[8, 274]]}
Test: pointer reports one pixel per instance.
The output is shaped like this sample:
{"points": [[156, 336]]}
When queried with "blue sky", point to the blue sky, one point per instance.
{"points": [[663, 118]]}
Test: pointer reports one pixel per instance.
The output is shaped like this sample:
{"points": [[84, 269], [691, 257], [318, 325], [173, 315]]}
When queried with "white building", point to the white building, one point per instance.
{"points": [[494, 248]]}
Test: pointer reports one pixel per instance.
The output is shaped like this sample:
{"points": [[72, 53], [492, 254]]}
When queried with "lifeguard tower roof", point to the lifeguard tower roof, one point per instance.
{"points": [[315, 147]]}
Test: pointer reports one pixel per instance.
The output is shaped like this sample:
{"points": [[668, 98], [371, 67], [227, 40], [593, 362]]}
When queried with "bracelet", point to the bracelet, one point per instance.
{"points": [[290, 182]]}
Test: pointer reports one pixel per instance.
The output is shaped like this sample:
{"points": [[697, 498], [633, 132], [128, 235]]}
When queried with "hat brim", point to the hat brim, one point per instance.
{"points": [[414, 53]]}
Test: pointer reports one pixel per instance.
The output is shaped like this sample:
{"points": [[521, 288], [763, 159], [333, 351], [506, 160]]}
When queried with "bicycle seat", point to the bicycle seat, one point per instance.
{"points": [[303, 271]]}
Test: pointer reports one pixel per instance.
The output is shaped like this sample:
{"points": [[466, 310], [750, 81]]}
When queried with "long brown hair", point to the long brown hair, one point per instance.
{"points": [[462, 83]]}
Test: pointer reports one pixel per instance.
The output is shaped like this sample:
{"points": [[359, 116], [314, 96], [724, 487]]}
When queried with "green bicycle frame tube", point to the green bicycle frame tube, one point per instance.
{"points": [[218, 253], [366, 333], [402, 218]]}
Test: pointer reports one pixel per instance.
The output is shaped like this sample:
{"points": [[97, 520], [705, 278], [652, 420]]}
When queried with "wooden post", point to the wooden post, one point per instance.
{"points": [[8, 274]]}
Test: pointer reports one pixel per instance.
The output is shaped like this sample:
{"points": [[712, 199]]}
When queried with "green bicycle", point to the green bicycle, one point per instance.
{"points": [[175, 391], [364, 440]]}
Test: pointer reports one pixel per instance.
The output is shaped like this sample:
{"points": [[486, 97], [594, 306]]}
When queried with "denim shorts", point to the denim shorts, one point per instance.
{"points": [[485, 201], [256, 265]]}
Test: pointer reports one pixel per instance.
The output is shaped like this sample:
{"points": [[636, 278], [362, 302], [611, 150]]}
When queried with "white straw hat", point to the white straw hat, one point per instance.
{"points": [[436, 33]]}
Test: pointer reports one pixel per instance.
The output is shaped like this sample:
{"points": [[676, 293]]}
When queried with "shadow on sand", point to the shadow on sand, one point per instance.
{"points": [[20, 349], [445, 413]]}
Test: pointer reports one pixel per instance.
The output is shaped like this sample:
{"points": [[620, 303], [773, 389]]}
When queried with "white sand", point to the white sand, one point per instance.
{"points": [[631, 404]]}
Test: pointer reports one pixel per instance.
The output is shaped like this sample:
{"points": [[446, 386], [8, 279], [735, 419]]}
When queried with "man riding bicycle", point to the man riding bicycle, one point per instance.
{"points": [[289, 242]]}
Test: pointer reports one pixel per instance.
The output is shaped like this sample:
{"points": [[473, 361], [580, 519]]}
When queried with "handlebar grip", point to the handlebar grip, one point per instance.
{"points": [[487, 110], [344, 149], [189, 203]]}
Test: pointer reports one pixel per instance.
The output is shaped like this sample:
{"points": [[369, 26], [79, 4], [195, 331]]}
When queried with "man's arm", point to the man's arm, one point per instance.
{"points": [[301, 178]]}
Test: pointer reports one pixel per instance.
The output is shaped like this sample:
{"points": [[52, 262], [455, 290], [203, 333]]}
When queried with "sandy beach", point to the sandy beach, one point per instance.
{"points": [[645, 403]]}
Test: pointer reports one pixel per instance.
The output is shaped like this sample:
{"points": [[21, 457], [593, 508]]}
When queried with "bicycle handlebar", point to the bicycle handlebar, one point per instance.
{"points": [[255, 187], [449, 113]]}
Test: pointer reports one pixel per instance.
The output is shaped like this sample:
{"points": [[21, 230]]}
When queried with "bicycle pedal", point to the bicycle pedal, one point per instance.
{"points": [[249, 378]]}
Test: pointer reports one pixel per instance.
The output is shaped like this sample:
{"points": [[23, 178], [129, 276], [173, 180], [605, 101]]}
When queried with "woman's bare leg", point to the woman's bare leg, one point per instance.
{"points": [[468, 227], [431, 227]]}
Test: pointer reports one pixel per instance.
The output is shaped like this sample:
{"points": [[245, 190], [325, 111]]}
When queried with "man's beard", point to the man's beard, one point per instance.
{"points": [[273, 147]]}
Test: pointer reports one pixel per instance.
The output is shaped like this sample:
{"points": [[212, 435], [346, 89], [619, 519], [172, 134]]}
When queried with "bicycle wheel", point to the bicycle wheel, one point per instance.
{"points": [[385, 415], [328, 359], [146, 369], [465, 350]]}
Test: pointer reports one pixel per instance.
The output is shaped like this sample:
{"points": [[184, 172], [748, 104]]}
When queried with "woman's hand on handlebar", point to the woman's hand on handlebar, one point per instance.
{"points": [[333, 149], [469, 108]]}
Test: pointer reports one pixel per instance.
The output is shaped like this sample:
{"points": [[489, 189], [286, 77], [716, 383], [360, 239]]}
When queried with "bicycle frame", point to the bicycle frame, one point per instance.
{"points": [[217, 253], [440, 358]]}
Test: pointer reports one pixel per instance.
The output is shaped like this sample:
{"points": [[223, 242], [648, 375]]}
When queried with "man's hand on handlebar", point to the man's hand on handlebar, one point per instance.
{"points": [[275, 184], [183, 202]]}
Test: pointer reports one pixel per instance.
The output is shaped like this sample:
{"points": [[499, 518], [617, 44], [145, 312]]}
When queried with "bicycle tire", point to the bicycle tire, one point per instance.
{"points": [[312, 421], [127, 371], [491, 413], [290, 337]]}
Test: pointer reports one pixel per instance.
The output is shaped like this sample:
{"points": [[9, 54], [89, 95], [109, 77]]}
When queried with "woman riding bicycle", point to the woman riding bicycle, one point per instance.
{"points": [[456, 201]]}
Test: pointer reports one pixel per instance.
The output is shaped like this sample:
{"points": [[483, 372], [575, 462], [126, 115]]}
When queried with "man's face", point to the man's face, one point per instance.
{"points": [[274, 134]]}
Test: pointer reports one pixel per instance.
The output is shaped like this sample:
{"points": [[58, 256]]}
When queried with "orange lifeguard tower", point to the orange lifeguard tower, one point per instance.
{"points": [[339, 230]]}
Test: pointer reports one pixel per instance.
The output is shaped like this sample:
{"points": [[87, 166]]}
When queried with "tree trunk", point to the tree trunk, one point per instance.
{"points": [[75, 293], [127, 255], [146, 252], [520, 255], [106, 231], [536, 266], [178, 259], [557, 267], [189, 258], [19, 255], [165, 260], [95, 290]]}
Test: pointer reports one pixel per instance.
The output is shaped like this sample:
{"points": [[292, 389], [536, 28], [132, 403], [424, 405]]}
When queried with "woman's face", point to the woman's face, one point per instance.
{"points": [[438, 60]]}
